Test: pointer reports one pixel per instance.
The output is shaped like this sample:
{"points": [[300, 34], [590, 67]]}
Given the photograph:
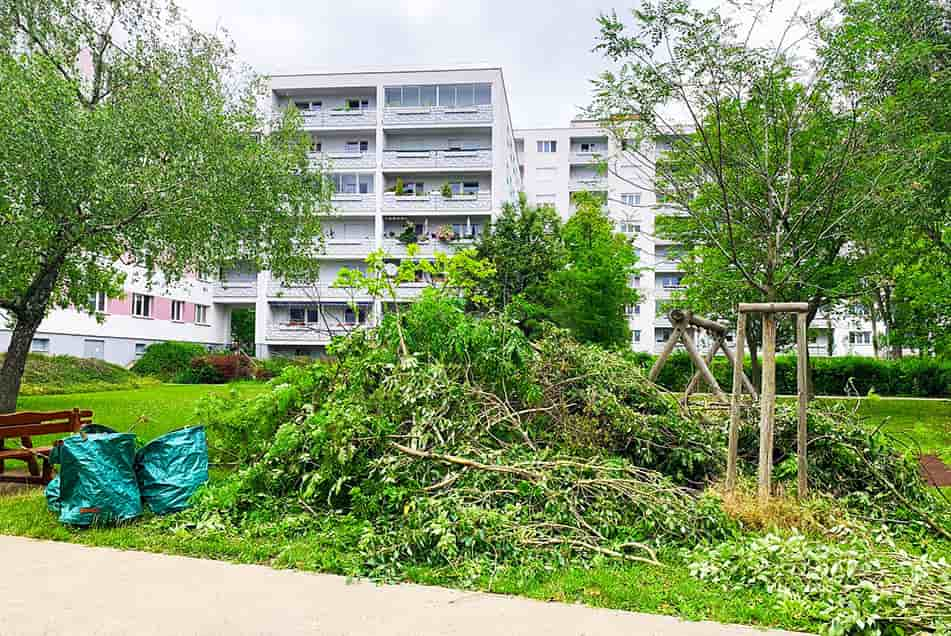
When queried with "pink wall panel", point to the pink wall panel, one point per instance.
{"points": [[120, 306], [162, 308], [189, 314]]}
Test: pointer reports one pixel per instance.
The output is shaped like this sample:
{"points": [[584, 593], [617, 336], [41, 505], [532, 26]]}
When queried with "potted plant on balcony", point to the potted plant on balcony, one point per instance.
{"points": [[398, 189], [445, 233], [446, 191], [408, 235]]}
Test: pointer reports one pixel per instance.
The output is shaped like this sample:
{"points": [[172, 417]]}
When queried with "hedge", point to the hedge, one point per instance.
{"points": [[845, 375], [167, 360]]}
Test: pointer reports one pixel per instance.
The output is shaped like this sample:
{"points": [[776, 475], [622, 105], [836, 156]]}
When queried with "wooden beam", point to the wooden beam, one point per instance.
{"points": [[768, 308], [664, 354], [690, 318], [737, 394], [767, 408], [695, 379], [702, 367], [739, 348], [802, 385]]}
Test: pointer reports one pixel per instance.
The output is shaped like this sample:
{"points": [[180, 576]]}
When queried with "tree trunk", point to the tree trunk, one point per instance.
{"points": [[14, 362]]}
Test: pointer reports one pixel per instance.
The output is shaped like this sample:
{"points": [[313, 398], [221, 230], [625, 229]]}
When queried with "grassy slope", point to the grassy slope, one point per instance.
{"points": [[47, 375], [926, 424], [667, 590]]}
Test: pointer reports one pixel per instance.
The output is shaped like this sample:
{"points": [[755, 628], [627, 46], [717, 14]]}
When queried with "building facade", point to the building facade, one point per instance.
{"points": [[429, 153]]}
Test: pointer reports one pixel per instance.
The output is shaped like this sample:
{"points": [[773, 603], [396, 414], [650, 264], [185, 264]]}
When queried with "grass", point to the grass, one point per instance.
{"points": [[663, 590], [49, 375]]}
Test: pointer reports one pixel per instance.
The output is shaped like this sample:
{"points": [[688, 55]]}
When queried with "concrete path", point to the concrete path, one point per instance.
{"points": [[61, 588]]}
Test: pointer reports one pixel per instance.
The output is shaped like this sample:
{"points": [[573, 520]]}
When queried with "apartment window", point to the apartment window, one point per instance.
{"points": [[415, 187], [587, 147], [671, 281], [626, 227], [545, 174], [637, 310], [661, 334], [40, 345], [178, 310], [353, 183], [860, 337], [629, 310], [308, 105], [351, 317], [547, 146], [95, 349], [464, 187], [454, 95], [545, 199], [637, 336], [357, 146], [635, 281], [140, 348], [141, 305], [97, 302], [631, 198], [201, 314], [358, 103], [301, 315], [316, 146]]}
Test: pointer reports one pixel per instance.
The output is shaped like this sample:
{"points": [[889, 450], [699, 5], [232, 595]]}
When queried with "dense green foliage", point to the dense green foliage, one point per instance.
{"points": [[169, 360], [843, 375], [53, 375]]}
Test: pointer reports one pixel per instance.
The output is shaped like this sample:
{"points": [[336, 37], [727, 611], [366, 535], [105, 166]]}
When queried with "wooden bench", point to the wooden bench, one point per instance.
{"points": [[26, 425]]}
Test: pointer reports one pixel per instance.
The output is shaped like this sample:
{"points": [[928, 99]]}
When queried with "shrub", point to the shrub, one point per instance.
{"points": [[273, 367], [166, 360], [408, 235], [51, 375]]}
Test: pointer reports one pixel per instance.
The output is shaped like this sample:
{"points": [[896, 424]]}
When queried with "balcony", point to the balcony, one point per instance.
{"points": [[354, 118], [344, 160], [438, 115], [354, 202], [436, 202], [668, 265], [448, 159], [584, 158], [315, 292], [238, 290], [348, 248], [307, 334], [590, 183], [427, 249]]}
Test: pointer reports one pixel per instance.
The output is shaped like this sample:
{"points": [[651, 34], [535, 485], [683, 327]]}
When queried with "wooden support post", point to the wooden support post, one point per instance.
{"points": [[802, 375], [739, 356], [695, 380], [734, 434], [662, 358], [702, 367], [767, 408]]}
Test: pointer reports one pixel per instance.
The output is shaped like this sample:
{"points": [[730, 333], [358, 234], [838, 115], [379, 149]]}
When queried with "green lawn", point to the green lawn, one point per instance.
{"points": [[667, 590]]}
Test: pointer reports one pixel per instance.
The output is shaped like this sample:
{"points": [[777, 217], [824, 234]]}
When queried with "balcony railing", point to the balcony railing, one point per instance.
{"points": [[449, 159], [343, 247], [428, 248], [438, 115], [236, 289], [436, 202], [584, 158], [316, 333], [668, 265], [593, 183], [355, 118], [344, 160], [317, 292], [344, 201]]}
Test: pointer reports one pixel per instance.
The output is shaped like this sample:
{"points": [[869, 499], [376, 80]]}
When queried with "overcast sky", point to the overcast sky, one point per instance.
{"points": [[544, 47]]}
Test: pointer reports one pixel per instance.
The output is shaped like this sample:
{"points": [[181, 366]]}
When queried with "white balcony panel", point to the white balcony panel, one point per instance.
{"points": [[316, 334], [348, 248], [224, 289], [413, 115], [448, 159], [427, 249], [345, 202], [436, 202], [666, 265], [344, 160], [584, 158], [576, 185], [356, 118], [314, 293]]}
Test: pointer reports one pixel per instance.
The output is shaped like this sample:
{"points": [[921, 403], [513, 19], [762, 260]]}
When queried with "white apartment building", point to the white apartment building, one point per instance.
{"points": [[429, 152]]}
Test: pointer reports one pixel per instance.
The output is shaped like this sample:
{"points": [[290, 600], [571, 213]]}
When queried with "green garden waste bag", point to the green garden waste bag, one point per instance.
{"points": [[170, 469], [96, 478], [52, 495]]}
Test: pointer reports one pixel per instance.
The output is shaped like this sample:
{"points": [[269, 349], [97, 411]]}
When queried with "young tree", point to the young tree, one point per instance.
{"points": [[525, 246], [128, 136], [590, 294], [750, 148]]}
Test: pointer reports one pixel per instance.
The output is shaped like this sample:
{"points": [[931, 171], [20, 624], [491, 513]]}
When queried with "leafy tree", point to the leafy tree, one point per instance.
{"points": [[128, 136], [752, 149], [590, 294], [525, 246], [242, 329]]}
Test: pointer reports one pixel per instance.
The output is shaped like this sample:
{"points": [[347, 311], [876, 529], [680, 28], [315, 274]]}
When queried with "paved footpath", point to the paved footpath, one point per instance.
{"points": [[60, 588]]}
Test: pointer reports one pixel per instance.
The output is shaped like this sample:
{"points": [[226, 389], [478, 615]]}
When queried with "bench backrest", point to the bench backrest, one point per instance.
{"points": [[30, 423]]}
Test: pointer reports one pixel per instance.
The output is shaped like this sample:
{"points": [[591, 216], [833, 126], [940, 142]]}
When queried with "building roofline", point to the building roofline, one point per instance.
{"points": [[383, 70]]}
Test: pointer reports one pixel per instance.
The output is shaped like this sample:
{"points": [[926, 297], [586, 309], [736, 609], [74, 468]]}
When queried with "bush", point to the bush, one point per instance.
{"points": [[52, 375], [916, 377], [167, 360], [273, 367]]}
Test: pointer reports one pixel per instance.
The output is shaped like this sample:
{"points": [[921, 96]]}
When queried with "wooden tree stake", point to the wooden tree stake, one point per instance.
{"points": [[767, 408], [802, 377], [733, 440]]}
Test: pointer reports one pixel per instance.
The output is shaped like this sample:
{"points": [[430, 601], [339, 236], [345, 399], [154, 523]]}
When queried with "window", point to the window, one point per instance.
{"points": [[476, 229], [358, 103], [547, 146], [201, 314], [141, 305], [178, 310], [308, 105], [301, 315], [631, 198], [316, 146], [545, 174], [353, 183], [637, 310], [454, 95], [637, 336], [351, 317], [635, 281], [545, 199], [661, 334], [670, 281], [140, 348], [630, 310], [97, 302], [587, 146], [357, 146], [40, 345], [95, 349], [626, 227], [860, 337], [415, 187], [464, 187]]}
